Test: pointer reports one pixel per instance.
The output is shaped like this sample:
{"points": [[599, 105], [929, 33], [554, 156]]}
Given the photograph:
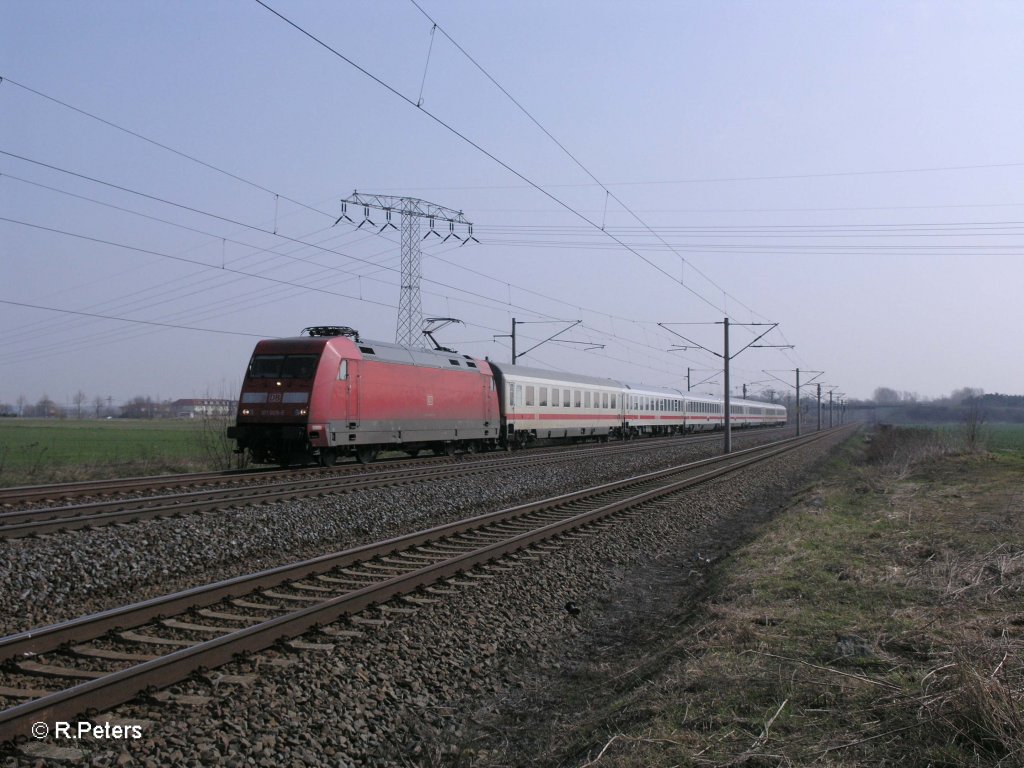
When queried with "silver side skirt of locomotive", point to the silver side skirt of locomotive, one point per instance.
{"points": [[342, 433]]}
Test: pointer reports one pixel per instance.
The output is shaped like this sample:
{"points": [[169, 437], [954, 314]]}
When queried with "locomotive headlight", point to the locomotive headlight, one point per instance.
{"points": [[246, 412], [301, 412]]}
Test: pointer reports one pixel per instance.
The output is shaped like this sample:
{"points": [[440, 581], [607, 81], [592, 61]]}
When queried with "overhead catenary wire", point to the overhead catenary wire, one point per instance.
{"points": [[185, 155], [265, 231], [191, 209], [163, 146], [168, 148], [478, 147], [288, 283], [587, 171]]}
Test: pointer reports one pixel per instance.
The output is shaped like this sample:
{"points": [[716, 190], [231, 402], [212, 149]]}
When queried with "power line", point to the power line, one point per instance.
{"points": [[127, 319], [608, 192], [220, 170], [478, 147], [163, 146], [733, 179], [301, 243]]}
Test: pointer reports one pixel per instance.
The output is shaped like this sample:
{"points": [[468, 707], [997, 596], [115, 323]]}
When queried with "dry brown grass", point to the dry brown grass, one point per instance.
{"points": [[879, 621]]}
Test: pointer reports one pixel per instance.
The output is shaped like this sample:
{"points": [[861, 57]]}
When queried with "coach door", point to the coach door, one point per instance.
{"points": [[488, 402], [348, 376]]}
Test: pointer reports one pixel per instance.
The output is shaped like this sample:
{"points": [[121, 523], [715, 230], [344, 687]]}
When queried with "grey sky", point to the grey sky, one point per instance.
{"points": [[850, 170]]}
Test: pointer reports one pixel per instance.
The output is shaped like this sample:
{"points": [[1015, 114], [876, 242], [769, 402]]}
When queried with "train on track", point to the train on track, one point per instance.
{"points": [[328, 394]]}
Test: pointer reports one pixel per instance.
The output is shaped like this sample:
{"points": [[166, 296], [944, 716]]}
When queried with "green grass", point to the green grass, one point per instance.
{"points": [[48, 450], [1006, 437]]}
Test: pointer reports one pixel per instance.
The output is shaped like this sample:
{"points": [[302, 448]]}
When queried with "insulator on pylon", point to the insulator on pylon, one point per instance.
{"points": [[451, 231], [344, 214]]}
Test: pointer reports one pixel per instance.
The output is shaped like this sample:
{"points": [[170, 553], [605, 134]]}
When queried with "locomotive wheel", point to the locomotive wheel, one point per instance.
{"points": [[366, 454], [413, 452], [449, 449], [328, 457], [472, 447]]}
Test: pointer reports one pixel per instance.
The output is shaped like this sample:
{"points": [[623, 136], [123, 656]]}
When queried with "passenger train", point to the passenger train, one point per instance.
{"points": [[328, 394]]}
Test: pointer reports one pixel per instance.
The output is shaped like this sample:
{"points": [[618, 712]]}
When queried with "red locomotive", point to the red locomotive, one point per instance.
{"points": [[330, 394]]}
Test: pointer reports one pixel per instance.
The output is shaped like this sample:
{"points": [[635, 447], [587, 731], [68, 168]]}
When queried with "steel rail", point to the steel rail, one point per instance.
{"points": [[120, 686], [46, 638], [28, 493], [44, 520]]}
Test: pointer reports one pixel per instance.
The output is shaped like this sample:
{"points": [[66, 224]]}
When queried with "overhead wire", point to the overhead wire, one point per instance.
{"points": [[475, 145], [186, 156], [587, 171], [163, 146], [263, 230], [174, 151]]}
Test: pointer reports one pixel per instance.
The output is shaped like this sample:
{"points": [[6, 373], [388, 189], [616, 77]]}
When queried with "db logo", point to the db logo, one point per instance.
{"points": [[275, 397]]}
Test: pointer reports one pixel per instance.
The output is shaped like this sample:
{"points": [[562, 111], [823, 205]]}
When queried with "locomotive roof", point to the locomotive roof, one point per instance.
{"points": [[396, 353], [374, 350], [507, 369]]}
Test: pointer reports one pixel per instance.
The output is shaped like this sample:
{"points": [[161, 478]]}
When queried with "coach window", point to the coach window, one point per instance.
{"points": [[566, 397], [615, 399], [554, 397], [604, 399], [586, 399], [529, 395], [577, 397], [519, 394], [343, 370], [543, 396]]}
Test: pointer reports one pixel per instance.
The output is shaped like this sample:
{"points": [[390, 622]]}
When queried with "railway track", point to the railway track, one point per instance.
{"points": [[98, 661], [118, 487], [279, 486]]}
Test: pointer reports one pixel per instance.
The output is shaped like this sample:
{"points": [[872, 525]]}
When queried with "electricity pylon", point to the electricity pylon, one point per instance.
{"points": [[408, 330]]}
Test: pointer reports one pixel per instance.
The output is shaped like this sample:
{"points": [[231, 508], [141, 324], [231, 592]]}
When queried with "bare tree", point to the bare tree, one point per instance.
{"points": [[46, 407], [886, 395], [78, 400], [212, 435], [973, 426], [967, 393]]}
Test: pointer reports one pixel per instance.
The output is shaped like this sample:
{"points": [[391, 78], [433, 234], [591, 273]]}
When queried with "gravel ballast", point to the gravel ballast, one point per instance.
{"points": [[406, 683], [61, 576]]}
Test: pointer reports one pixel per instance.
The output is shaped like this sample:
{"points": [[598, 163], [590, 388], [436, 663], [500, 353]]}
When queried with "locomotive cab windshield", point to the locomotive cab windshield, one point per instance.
{"points": [[283, 366]]}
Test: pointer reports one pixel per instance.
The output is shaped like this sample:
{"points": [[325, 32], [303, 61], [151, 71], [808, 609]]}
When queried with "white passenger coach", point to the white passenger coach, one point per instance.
{"points": [[538, 405]]}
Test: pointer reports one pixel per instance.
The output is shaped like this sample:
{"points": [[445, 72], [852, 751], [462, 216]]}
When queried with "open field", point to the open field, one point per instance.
{"points": [[877, 620], [36, 451], [1005, 437]]}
